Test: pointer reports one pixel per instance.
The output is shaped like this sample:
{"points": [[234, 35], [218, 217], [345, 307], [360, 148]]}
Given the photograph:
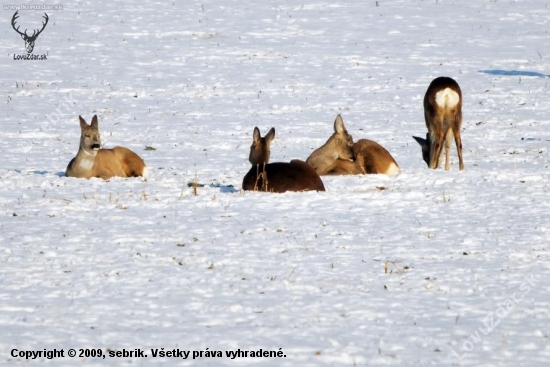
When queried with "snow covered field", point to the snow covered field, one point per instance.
{"points": [[427, 268]]}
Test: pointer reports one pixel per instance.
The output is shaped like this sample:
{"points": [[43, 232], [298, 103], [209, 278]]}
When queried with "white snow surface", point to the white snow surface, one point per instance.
{"points": [[375, 271]]}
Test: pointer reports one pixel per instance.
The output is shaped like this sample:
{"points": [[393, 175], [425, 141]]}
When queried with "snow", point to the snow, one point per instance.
{"points": [[376, 271]]}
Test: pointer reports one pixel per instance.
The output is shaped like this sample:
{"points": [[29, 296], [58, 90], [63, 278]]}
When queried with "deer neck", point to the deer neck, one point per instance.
{"points": [[259, 159], [323, 157], [327, 153], [85, 158]]}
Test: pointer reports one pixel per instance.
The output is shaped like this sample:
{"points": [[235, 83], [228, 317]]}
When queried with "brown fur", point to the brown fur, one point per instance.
{"points": [[91, 161], [340, 156], [277, 177], [443, 121]]}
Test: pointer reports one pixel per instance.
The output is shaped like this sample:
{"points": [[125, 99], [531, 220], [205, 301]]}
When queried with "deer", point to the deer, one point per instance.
{"points": [[443, 116], [277, 177], [29, 40], [93, 161], [341, 156]]}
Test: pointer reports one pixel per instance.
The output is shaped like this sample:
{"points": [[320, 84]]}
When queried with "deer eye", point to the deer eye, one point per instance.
{"points": [[87, 135]]}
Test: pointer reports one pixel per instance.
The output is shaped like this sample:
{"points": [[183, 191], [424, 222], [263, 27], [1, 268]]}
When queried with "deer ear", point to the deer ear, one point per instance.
{"points": [[83, 123], [270, 135], [425, 145], [256, 135], [94, 122], [339, 125]]}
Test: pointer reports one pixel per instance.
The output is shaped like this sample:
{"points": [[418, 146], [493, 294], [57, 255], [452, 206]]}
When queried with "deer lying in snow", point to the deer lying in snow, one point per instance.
{"points": [[341, 156], [277, 177], [92, 161], [443, 115]]}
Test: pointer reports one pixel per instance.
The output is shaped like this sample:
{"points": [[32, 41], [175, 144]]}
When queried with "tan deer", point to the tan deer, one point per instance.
{"points": [[92, 161], [443, 115], [341, 156], [277, 177]]}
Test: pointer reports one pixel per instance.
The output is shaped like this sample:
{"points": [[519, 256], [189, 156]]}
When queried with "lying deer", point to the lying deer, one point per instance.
{"points": [[443, 115], [277, 177], [91, 161], [340, 156]]}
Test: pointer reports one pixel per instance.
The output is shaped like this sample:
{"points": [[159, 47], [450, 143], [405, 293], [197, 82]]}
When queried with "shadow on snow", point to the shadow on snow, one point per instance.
{"points": [[515, 73]]}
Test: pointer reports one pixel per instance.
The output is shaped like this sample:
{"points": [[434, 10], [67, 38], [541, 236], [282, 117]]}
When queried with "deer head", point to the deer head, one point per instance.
{"points": [[29, 40]]}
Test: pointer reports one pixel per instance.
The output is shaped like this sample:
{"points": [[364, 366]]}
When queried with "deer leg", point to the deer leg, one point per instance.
{"points": [[458, 142], [435, 151], [448, 138]]}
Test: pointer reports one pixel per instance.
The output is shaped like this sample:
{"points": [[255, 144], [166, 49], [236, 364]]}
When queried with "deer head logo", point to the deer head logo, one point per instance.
{"points": [[29, 40]]}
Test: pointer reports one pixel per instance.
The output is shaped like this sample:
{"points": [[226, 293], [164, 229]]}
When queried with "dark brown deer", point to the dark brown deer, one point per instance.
{"points": [[443, 115], [29, 40], [277, 177], [341, 156]]}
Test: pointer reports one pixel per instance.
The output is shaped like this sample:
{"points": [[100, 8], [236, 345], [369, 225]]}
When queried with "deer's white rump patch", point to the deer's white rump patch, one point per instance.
{"points": [[447, 98]]}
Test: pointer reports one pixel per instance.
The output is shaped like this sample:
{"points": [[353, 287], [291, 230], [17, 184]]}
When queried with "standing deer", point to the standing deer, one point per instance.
{"points": [[340, 156], [443, 115], [91, 161], [277, 177], [29, 40]]}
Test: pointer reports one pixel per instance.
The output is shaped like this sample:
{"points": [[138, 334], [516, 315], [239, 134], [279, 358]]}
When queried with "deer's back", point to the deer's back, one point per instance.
{"points": [[280, 177], [131, 164], [374, 158]]}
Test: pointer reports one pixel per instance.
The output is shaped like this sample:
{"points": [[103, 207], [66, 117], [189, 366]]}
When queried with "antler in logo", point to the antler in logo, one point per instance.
{"points": [[29, 40]]}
